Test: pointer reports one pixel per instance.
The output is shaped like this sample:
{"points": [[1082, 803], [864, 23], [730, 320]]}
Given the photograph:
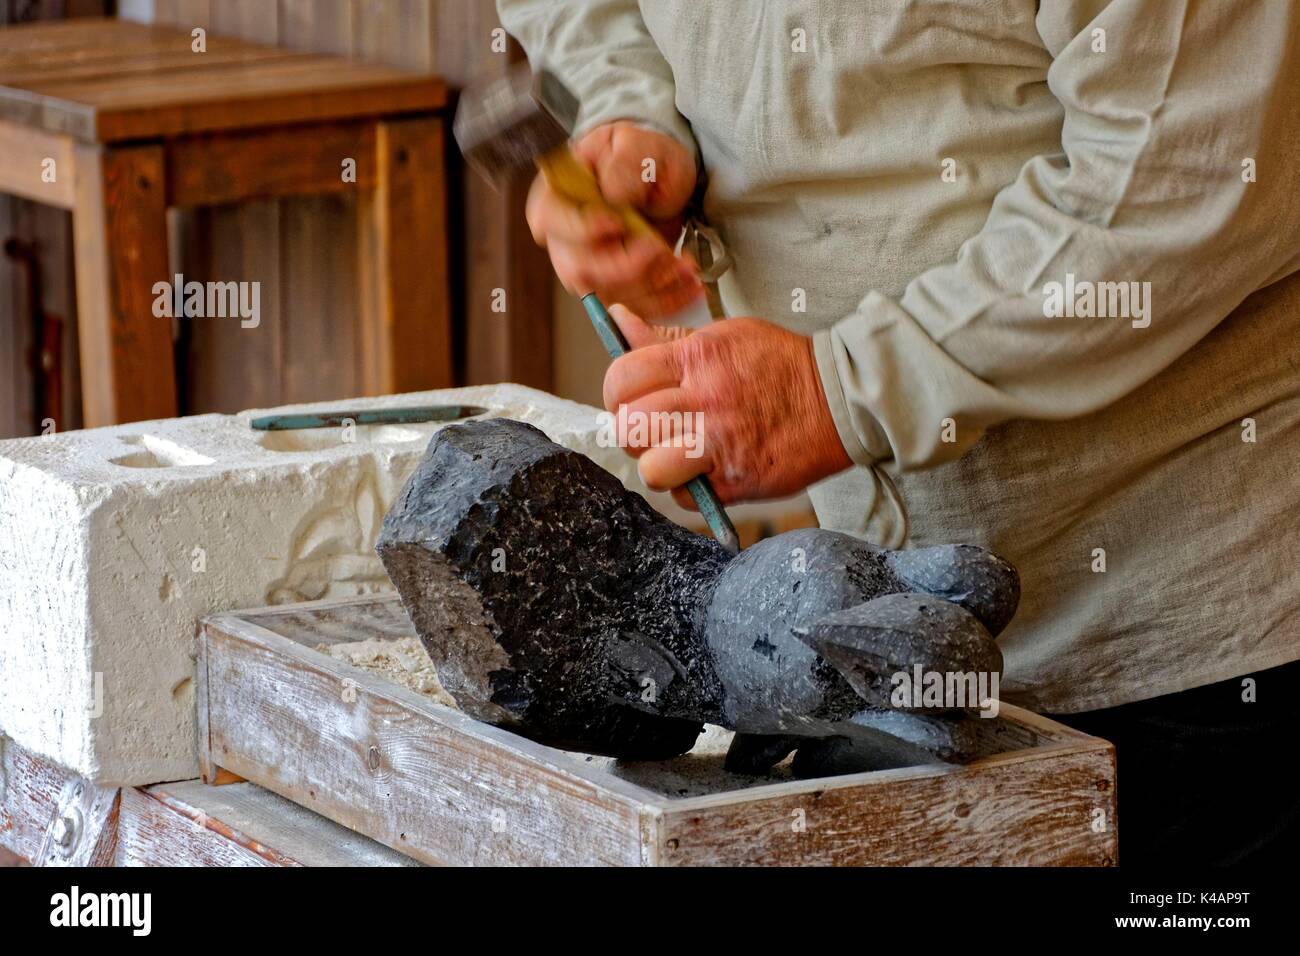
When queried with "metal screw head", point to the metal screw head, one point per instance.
{"points": [[65, 830]]}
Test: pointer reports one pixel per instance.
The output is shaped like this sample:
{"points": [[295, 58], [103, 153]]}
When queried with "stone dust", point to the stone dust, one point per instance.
{"points": [[403, 661]]}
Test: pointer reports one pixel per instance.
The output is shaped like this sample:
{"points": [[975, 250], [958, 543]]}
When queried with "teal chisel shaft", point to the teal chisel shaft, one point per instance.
{"points": [[701, 491]]}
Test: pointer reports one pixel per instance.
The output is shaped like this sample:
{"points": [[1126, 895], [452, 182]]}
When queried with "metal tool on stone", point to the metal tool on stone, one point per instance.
{"points": [[525, 119], [700, 489], [409, 415]]}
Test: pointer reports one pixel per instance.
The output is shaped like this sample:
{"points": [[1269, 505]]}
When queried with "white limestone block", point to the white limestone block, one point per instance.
{"points": [[115, 541]]}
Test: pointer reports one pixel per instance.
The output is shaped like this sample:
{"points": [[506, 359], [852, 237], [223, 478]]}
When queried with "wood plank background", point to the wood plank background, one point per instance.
{"points": [[303, 251], [51, 231]]}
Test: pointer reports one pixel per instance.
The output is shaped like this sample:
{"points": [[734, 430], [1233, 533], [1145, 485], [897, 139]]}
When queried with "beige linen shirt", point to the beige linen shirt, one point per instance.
{"points": [[921, 187]]}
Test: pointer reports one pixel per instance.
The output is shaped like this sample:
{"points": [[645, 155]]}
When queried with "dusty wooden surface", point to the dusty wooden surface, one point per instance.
{"points": [[1032, 808], [186, 823], [417, 776], [384, 761], [191, 824], [37, 796]]}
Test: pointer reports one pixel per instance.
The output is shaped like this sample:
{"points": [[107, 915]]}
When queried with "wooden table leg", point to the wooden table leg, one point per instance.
{"points": [[120, 245], [405, 311]]}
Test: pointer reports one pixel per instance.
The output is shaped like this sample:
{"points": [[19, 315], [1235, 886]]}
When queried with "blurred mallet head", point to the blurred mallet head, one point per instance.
{"points": [[504, 126]]}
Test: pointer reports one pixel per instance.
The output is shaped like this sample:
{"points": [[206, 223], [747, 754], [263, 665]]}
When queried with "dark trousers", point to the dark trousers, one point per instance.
{"points": [[1205, 778]]}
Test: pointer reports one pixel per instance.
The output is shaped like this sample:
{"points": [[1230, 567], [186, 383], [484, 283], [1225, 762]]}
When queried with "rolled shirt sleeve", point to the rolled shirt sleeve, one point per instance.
{"points": [[603, 52], [1171, 109]]}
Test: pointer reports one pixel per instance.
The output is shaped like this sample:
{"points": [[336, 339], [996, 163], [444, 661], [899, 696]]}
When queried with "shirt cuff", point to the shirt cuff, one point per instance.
{"points": [[659, 121], [860, 433]]}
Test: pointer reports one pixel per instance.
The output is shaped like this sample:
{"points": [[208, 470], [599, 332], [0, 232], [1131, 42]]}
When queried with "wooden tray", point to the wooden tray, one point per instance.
{"points": [[443, 788]]}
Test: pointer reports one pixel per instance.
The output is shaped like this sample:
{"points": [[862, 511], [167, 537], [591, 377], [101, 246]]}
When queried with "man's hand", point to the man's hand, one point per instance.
{"points": [[766, 428], [589, 248]]}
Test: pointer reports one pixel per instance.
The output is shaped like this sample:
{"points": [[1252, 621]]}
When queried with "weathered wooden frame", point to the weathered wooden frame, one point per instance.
{"points": [[443, 788], [185, 823]]}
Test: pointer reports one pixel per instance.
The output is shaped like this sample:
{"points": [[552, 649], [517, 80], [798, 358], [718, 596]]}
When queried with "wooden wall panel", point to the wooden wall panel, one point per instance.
{"points": [[307, 348], [318, 248], [496, 250], [229, 367], [396, 32], [324, 26]]}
